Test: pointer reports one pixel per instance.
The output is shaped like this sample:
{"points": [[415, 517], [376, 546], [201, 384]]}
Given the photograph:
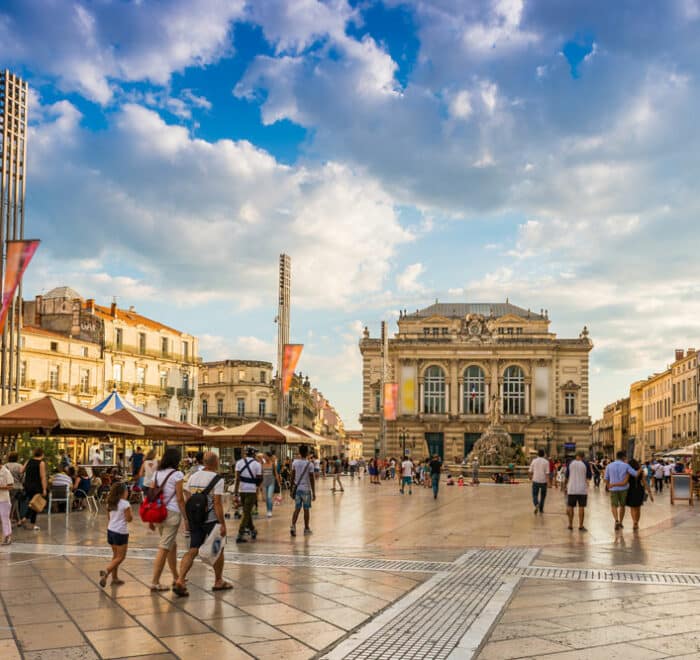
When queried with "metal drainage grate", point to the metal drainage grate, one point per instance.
{"points": [[610, 575]]}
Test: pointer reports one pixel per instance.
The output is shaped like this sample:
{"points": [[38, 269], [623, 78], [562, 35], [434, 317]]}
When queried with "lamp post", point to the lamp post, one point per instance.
{"points": [[403, 436]]}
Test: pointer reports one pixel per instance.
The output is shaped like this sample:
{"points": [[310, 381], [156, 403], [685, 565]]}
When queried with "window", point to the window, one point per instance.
{"points": [[263, 377], [570, 403], [185, 350], [23, 374], [83, 351], [220, 407], [241, 374], [185, 381], [54, 346], [183, 414], [117, 373], [142, 343], [53, 378], [163, 379], [221, 376], [434, 391], [426, 332], [205, 378], [474, 395], [119, 338], [140, 376], [377, 401], [240, 407], [513, 391], [436, 332], [85, 381], [205, 407], [262, 407], [164, 346], [444, 331]]}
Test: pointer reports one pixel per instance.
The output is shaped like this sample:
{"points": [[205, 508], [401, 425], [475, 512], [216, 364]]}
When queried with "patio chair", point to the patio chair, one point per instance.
{"points": [[91, 499], [59, 494]]}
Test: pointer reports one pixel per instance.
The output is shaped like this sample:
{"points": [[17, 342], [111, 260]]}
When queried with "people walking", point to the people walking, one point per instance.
{"points": [[638, 489], [615, 479], [270, 478], [7, 485], [407, 475], [435, 470], [17, 494], [170, 479], [578, 474], [35, 482], [119, 512], [206, 485], [337, 469], [249, 475], [136, 460], [475, 471], [658, 477], [148, 469], [303, 490], [539, 475]]}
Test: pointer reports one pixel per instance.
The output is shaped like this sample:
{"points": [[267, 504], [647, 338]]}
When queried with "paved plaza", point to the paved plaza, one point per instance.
{"points": [[473, 574]]}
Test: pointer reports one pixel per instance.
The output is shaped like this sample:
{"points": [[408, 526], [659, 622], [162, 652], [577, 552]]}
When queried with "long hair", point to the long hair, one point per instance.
{"points": [[171, 459], [115, 494]]}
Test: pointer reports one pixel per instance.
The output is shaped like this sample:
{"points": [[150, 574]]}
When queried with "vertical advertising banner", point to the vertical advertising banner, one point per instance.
{"points": [[391, 395], [407, 389], [19, 254], [292, 353]]}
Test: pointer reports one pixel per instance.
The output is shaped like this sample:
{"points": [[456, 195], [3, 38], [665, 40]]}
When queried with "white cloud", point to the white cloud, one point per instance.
{"points": [[460, 105], [500, 31], [407, 281]]}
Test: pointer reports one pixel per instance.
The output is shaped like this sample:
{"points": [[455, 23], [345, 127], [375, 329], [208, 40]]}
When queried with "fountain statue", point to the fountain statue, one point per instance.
{"points": [[495, 446]]}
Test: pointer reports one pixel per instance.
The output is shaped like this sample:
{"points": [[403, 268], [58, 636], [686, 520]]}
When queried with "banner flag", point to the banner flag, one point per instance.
{"points": [[19, 254], [391, 395], [292, 353]]}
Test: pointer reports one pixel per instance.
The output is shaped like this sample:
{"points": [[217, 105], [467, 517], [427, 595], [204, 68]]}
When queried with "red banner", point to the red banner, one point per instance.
{"points": [[391, 398], [292, 353], [19, 254]]}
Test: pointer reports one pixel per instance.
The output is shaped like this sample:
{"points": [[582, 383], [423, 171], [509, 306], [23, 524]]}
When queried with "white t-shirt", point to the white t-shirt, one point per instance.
{"points": [[199, 481], [577, 484], [117, 519], [667, 470], [253, 470], [299, 468], [149, 468], [169, 489], [539, 469], [6, 479], [407, 468]]}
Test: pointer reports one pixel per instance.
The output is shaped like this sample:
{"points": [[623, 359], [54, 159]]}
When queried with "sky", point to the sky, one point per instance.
{"points": [[400, 152]]}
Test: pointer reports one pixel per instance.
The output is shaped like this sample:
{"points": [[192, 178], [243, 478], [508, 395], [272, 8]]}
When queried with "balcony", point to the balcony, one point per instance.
{"points": [[185, 393], [48, 386], [156, 354], [121, 386], [79, 390], [27, 384]]}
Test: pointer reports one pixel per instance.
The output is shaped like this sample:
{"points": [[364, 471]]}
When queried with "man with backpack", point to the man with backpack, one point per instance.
{"points": [[248, 478], [303, 489], [204, 510]]}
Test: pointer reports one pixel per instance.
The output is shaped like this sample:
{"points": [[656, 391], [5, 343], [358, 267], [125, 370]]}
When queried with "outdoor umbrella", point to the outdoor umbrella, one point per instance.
{"points": [[158, 428], [113, 402], [50, 416], [254, 432]]}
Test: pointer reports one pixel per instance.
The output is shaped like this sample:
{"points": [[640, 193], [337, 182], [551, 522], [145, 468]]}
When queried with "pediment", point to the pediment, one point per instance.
{"points": [[511, 318], [570, 385], [435, 319]]}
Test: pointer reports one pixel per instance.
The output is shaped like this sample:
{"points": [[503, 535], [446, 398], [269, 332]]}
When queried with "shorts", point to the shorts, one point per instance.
{"points": [[115, 538], [302, 499], [618, 498], [168, 530], [407, 480], [199, 534], [580, 500]]}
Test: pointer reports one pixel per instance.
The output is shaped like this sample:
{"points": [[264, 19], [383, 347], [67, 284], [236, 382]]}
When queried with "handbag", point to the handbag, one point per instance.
{"points": [[213, 546], [37, 503], [293, 490], [153, 508]]}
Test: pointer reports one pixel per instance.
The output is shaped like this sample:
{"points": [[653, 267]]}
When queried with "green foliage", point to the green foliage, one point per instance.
{"points": [[26, 446]]}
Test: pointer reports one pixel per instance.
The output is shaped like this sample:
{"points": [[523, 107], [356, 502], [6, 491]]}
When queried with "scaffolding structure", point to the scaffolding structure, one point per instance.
{"points": [[283, 315]]}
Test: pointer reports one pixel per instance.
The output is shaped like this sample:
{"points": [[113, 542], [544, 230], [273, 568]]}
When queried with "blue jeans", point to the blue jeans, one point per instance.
{"points": [[436, 484], [539, 492], [269, 492]]}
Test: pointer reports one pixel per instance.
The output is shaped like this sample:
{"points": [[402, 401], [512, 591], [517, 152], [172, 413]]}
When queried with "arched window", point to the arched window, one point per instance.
{"points": [[513, 391], [434, 391], [474, 396]]}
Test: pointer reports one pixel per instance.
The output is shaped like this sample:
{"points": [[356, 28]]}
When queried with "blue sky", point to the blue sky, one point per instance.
{"points": [[399, 151]]}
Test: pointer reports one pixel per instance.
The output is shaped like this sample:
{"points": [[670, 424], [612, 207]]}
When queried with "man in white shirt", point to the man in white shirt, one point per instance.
{"points": [[539, 474], [407, 475], [578, 473], [248, 478]]}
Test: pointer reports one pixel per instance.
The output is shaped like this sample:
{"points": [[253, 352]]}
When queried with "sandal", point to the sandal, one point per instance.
{"points": [[161, 587], [224, 586], [116, 583], [180, 591], [103, 579]]}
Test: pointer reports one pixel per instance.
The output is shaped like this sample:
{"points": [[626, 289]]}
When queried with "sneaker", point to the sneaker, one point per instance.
{"points": [[307, 531], [536, 511], [269, 514], [241, 539], [617, 525], [293, 531]]}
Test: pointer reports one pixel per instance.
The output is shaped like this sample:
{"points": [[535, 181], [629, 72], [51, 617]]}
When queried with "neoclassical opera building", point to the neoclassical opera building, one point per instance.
{"points": [[453, 361]]}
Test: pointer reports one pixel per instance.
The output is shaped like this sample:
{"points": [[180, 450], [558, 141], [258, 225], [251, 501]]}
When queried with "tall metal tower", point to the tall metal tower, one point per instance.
{"points": [[283, 308], [13, 158]]}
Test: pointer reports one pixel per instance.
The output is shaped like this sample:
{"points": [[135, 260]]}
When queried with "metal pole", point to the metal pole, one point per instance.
{"points": [[382, 433]]}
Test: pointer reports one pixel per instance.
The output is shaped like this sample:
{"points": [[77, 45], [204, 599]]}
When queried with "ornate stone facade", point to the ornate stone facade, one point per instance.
{"points": [[451, 358]]}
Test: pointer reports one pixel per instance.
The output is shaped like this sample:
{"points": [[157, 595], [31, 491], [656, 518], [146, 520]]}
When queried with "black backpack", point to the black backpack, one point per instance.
{"points": [[197, 506]]}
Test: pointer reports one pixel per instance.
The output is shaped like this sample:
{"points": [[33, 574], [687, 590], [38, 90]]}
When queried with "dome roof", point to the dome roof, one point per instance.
{"points": [[63, 292]]}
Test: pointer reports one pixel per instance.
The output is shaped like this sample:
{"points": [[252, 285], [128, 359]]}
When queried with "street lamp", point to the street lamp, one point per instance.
{"points": [[403, 436]]}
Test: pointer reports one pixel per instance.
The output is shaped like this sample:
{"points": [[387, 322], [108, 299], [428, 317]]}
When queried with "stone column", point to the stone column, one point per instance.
{"points": [[453, 392]]}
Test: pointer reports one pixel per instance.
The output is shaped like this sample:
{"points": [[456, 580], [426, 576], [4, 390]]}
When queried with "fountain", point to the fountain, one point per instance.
{"points": [[495, 446]]}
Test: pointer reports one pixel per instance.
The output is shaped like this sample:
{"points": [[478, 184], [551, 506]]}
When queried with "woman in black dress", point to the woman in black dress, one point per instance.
{"points": [[638, 486], [35, 481]]}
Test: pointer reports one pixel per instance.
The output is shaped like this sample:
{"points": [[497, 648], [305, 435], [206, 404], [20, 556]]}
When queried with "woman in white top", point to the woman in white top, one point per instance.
{"points": [[119, 511], [170, 479], [7, 484], [148, 469]]}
